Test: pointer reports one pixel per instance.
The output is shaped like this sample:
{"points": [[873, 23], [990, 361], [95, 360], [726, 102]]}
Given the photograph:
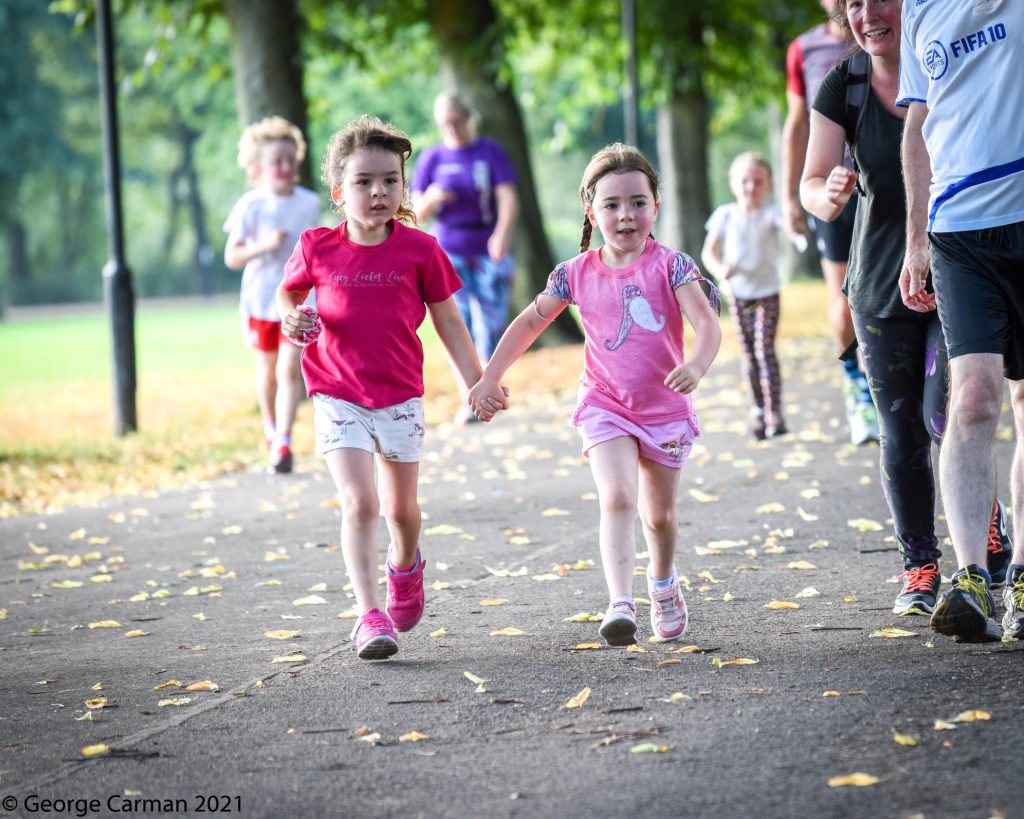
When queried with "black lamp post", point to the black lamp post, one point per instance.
{"points": [[117, 278]]}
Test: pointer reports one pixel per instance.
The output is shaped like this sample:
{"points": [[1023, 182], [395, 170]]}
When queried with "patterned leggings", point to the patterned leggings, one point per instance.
{"points": [[905, 359], [756, 323]]}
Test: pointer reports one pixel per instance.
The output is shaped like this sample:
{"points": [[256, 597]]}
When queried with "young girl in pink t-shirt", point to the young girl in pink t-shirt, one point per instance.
{"points": [[634, 411], [375, 281]]}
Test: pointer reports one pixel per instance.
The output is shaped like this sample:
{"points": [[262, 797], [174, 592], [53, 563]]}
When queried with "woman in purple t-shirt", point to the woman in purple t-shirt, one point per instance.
{"points": [[467, 183]]}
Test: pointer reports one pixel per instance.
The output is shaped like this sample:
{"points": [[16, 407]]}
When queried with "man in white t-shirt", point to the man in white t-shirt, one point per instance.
{"points": [[960, 78]]}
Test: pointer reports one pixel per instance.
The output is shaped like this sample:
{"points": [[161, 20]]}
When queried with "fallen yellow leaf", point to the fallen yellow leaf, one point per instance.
{"points": [[908, 740], [859, 780], [587, 646], [281, 634], [781, 604], [830, 693], [801, 565], [441, 632], [974, 715], [810, 591], [702, 497], [818, 544], [136, 632], [678, 696], [97, 703], [648, 748], [290, 658], [636, 649], [105, 624], [173, 701], [95, 750], [718, 662], [473, 678], [673, 661], [864, 525], [312, 600], [493, 601], [554, 513], [413, 736], [579, 699], [584, 617], [892, 633], [168, 684], [507, 632], [66, 584], [942, 725], [204, 685]]}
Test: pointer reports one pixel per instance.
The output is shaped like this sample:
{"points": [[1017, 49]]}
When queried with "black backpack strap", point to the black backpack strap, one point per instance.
{"points": [[858, 84]]}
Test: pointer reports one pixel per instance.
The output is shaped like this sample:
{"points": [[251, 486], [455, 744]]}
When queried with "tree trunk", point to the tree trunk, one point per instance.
{"points": [[197, 211], [19, 271], [267, 61], [471, 53], [683, 159]]}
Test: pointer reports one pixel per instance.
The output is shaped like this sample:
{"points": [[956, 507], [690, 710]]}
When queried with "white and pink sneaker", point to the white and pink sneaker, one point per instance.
{"points": [[668, 609]]}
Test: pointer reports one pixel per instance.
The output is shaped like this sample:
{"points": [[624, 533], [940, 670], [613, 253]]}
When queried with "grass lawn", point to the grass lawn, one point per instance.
{"points": [[196, 405]]}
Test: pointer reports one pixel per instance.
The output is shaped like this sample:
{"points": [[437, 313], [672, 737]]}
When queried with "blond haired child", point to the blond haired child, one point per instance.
{"points": [[262, 230], [741, 250]]}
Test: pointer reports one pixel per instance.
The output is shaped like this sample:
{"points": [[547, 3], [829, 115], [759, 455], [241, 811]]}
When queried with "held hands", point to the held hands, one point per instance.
{"points": [[296, 323], [684, 378], [839, 185], [913, 276], [487, 397]]}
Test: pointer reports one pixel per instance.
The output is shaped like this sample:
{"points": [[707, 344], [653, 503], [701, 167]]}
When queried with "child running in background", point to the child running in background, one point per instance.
{"points": [[375, 279], [741, 251], [634, 410], [262, 230]]}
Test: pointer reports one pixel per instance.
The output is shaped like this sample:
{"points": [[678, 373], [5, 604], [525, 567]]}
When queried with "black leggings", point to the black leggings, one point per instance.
{"points": [[905, 360]]}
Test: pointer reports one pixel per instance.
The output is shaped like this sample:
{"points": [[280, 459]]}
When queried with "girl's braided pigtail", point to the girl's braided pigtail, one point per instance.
{"points": [[588, 229]]}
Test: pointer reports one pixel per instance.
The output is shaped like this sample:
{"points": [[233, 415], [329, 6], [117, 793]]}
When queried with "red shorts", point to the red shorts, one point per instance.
{"points": [[261, 334]]}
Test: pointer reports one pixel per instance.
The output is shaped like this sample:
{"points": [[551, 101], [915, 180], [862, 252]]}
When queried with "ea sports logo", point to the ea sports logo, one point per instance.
{"points": [[935, 60]]}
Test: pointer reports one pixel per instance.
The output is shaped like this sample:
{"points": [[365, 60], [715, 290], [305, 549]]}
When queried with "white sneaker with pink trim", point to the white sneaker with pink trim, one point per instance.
{"points": [[668, 609]]}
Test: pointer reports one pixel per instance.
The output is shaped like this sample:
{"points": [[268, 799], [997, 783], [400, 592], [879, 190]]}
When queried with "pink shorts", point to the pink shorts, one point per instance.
{"points": [[668, 443]]}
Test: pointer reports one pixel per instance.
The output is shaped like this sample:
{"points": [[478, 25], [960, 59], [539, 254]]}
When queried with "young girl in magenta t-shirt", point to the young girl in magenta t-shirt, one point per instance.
{"points": [[375, 280]]}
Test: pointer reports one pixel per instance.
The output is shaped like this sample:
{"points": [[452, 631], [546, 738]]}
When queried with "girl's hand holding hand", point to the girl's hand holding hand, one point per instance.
{"points": [[839, 185], [684, 378], [487, 397], [301, 325]]}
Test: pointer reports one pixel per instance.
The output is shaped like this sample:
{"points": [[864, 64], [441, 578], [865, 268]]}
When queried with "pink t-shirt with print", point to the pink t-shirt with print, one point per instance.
{"points": [[633, 327], [371, 301]]}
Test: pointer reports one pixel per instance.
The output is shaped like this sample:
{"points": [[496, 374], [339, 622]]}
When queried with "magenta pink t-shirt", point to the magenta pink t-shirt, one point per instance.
{"points": [[633, 326], [371, 301]]}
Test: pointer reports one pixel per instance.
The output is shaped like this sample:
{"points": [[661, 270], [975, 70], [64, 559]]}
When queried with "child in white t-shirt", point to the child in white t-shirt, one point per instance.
{"points": [[741, 250], [262, 229]]}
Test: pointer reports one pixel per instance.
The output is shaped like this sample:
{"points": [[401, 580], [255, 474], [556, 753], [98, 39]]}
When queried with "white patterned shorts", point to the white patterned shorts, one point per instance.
{"points": [[395, 432]]}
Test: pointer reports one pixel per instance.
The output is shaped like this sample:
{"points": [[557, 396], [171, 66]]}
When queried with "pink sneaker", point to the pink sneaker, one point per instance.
{"points": [[668, 609], [374, 635], [405, 594]]}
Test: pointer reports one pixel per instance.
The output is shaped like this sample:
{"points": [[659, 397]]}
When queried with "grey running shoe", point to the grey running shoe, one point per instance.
{"points": [[619, 625], [1013, 600], [920, 587], [999, 549], [967, 611]]}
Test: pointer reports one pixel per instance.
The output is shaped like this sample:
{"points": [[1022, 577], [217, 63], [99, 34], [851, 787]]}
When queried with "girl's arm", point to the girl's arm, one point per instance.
{"points": [[451, 329], [826, 185], [516, 340], [697, 309], [499, 245], [711, 255], [293, 323], [426, 204]]}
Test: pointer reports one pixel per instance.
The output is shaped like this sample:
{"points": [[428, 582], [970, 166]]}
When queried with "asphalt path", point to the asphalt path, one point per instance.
{"points": [[498, 704]]}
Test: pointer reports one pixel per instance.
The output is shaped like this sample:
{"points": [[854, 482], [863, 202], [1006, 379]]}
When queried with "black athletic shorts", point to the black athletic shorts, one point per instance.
{"points": [[979, 284], [834, 238]]}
